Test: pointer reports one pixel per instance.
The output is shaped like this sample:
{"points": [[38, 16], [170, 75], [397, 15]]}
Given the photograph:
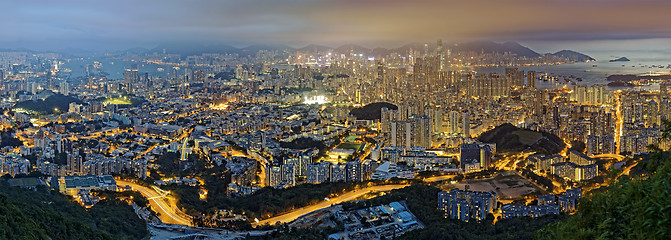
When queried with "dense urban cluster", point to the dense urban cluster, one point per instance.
{"points": [[227, 125]]}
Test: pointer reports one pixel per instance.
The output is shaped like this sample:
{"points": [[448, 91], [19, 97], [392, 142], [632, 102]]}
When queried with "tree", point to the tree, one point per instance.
{"points": [[635, 208]]}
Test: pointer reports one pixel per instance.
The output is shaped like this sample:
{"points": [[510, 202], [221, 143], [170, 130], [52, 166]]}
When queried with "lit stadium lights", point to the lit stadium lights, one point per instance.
{"points": [[315, 100], [222, 106]]}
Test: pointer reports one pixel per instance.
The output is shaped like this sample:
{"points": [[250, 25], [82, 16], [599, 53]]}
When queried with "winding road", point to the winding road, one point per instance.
{"points": [[168, 212], [346, 197]]}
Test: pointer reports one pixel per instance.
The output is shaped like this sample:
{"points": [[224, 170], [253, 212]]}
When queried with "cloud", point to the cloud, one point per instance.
{"points": [[327, 21]]}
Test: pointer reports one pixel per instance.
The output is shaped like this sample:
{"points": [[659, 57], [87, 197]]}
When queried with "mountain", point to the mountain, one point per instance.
{"points": [[314, 48], [77, 52], [622, 59], [509, 138], [492, 47], [253, 49], [371, 111], [379, 51], [574, 56], [50, 105], [632, 208], [43, 214], [405, 49], [137, 50], [347, 48], [195, 49]]}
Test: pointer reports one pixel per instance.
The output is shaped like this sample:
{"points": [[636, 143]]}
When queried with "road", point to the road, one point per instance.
{"points": [[167, 214], [438, 178], [346, 197], [608, 155]]}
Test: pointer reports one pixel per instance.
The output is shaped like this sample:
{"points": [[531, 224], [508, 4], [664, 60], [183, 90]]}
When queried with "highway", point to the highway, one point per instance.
{"points": [[346, 197], [438, 178], [167, 214], [608, 155]]}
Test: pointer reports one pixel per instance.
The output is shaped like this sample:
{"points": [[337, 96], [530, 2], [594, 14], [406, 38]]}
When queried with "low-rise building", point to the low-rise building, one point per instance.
{"points": [[72, 184]]}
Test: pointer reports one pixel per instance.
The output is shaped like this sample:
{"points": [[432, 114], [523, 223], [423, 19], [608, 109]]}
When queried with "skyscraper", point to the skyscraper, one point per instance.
{"points": [[516, 77], [453, 126], [423, 131], [383, 88], [531, 79], [318, 173], [130, 78], [64, 88], [466, 124]]}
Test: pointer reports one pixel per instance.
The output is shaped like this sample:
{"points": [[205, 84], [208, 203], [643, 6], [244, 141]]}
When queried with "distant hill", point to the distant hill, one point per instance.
{"points": [[253, 49], [509, 138], [622, 59], [49, 105], [137, 50], [475, 46], [405, 49], [492, 47], [347, 48], [195, 49], [314, 48], [371, 111], [77, 52], [622, 77], [573, 56], [43, 214], [631, 208]]}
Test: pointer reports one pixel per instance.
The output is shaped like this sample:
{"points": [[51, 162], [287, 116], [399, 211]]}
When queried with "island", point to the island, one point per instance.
{"points": [[622, 59]]}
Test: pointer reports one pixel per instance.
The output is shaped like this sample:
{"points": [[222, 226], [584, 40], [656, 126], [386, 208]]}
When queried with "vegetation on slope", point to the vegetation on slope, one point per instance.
{"points": [[422, 201], [264, 203], [41, 214], [371, 111], [53, 104], [637, 208], [509, 138]]}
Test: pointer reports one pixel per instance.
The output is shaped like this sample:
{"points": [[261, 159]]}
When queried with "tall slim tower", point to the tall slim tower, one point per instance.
{"points": [[439, 47], [439, 53], [466, 124], [381, 80], [130, 78], [663, 91], [531, 79]]}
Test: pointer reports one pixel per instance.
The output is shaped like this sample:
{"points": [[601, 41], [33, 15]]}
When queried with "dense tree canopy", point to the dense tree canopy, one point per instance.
{"points": [[638, 208], [42, 214]]}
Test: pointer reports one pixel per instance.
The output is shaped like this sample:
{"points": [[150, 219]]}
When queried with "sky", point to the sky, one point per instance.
{"points": [[119, 24]]}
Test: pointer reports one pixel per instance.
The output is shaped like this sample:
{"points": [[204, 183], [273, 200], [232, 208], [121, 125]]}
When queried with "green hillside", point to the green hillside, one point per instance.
{"points": [[371, 111], [41, 214], [54, 104], [509, 138], [629, 209]]}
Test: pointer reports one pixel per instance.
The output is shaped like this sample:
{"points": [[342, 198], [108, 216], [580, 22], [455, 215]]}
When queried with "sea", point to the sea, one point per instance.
{"points": [[114, 68], [647, 56]]}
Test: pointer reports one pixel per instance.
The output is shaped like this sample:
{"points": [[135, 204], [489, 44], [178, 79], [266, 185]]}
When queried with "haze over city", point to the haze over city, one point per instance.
{"points": [[117, 25]]}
